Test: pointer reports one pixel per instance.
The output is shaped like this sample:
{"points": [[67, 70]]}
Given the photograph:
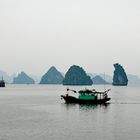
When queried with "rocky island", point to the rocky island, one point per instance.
{"points": [[99, 80], [77, 76], [120, 77], [23, 78], [53, 76]]}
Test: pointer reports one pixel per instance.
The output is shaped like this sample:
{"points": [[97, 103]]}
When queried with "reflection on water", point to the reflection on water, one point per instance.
{"points": [[87, 106], [84, 107], [92, 106]]}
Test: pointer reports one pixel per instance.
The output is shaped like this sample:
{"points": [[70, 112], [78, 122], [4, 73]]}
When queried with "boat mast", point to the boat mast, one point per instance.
{"points": [[104, 81]]}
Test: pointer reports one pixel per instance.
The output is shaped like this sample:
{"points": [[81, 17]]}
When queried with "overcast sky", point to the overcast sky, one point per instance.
{"points": [[36, 34]]}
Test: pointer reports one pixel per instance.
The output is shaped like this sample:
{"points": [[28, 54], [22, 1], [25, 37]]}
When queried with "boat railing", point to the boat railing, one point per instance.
{"points": [[93, 92]]}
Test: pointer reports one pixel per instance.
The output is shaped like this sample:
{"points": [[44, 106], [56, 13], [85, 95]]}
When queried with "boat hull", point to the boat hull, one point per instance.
{"points": [[71, 99]]}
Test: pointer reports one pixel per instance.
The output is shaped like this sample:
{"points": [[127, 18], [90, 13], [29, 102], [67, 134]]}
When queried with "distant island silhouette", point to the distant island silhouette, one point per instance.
{"points": [[23, 78], [77, 76], [120, 77], [53, 76], [99, 80]]}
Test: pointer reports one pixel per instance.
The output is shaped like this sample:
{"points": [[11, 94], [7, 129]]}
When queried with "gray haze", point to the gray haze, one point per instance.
{"points": [[36, 34]]}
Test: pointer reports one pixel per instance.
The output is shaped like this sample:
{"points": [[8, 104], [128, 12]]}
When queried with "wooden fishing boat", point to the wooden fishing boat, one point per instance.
{"points": [[87, 97], [2, 83]]}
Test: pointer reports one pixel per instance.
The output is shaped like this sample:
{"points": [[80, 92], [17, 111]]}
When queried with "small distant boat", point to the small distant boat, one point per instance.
{"points": [[87, 97], [2, 83]]}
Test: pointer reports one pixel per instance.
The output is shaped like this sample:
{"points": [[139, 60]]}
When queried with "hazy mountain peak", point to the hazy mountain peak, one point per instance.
{"points": [[23, 78], [98, 80], [53, 76]]}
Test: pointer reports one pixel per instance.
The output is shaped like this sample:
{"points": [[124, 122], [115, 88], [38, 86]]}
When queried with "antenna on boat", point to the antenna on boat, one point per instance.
{"points": [[71, 90], [104, 81]]}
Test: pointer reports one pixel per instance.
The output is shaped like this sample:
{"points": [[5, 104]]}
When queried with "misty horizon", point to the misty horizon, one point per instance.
{"points": [[63, 72]]}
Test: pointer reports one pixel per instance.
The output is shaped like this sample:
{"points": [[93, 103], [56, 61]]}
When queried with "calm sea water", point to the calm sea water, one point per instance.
{"points": [[36, 112]]}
